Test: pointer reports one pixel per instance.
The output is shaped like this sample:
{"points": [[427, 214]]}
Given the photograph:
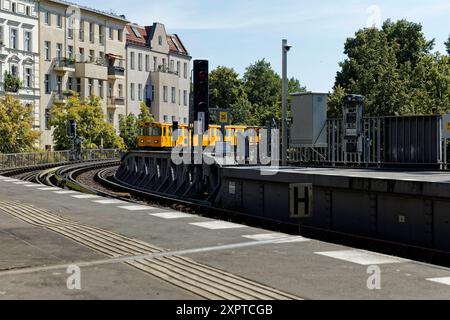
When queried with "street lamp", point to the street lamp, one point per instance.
{"points": [[285, 50]]}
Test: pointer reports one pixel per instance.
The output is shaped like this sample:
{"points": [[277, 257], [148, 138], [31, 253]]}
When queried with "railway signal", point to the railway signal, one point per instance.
{"points": [[201, 92]]}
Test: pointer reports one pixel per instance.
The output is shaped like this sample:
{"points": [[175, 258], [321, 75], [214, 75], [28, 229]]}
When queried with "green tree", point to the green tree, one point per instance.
{"points": [[447, 45], [408, 40], [371, 70], [145, 115], [16, 130], [91, 124], [225, 87], [129, 130]]}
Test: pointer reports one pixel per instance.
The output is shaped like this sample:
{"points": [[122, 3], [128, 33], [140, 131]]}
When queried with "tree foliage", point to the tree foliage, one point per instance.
{"points": [[394, 69], [129, 126], [91, 124], [16, 130], [254, 99], [447, 45]]}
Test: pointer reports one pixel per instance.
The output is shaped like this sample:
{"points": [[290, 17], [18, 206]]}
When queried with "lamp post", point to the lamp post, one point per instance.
{"points": [[285, 50]]}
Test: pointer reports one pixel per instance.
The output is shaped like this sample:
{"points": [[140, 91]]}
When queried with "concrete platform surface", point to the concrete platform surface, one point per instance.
{"points": [[125, 251]]}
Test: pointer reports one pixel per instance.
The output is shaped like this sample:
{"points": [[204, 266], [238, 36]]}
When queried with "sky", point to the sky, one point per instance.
{"points": [[236, 33]]}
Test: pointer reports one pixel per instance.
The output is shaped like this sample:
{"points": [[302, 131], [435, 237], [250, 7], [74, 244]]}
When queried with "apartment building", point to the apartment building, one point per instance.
{"points": [[81, 50], [158, 73], [19, 52]]}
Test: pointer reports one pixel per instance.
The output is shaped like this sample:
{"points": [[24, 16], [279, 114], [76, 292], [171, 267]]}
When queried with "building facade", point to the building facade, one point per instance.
{"points": [[81, 50], [158, 73], [19, 52]]}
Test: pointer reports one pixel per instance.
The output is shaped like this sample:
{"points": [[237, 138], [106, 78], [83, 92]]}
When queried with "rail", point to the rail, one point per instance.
{"points": [[21, 160]]}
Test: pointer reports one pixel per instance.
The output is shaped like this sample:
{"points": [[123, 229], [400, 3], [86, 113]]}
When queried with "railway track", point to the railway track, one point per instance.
{"points": [[103, 183]]}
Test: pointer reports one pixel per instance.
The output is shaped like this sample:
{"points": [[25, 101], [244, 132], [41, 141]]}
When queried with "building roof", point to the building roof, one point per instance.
{"points": [[109, 14], [139, 35]]}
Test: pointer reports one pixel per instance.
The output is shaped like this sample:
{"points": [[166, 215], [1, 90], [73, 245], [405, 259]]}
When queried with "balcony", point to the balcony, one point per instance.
{"points": [[165, 69], [63, 65], [115, 73], [115, 102], [60, 98], [93, 69]]}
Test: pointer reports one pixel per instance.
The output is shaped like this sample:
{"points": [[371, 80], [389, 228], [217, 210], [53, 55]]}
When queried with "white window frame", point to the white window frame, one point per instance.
{"points": [[174, 95], [16, 38], [132, 92], [27, 43], [48, 50], [165, 94], [140, 92]]}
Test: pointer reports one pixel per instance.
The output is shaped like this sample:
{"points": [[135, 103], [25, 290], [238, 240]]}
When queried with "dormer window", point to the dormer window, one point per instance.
{"points": [[160, 40]]}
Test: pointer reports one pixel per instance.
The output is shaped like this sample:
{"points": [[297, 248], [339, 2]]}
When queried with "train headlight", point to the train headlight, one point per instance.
{"points": [[142, 141], [156, 141]]}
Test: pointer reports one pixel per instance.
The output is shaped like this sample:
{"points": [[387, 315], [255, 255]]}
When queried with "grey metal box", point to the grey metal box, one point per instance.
{"points": [[309, 114], [446, 126]]}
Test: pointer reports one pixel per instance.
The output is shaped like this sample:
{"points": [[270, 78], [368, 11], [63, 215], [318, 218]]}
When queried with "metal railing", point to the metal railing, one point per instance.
{"points": [[64, 62], [116, 101], [20, 160], [116, 71]]}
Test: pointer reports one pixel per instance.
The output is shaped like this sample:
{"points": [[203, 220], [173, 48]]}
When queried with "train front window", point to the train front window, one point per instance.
{"points": [[156, 132]]}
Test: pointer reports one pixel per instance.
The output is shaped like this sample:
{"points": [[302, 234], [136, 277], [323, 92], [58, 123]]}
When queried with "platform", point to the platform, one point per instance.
{"points": [[43, 230]]}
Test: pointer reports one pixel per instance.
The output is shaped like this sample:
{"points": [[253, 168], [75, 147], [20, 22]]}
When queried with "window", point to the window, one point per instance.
{"points": [[174, 97], [165, 94], [47, 18], [140, 92], [185, 71], [132, 92], [81, 31], [91, 87], [1, 36], [147, 92], [78, 85], [111, 117], [28, 82], [172, 66], [120, 35], [100, 88], [185, 120], [82, 54], [178, 68], [28, 11], [91, 32], [132, 60], [153, 93], [58, 50], [140, 61], [47, 50], [13, 43], [179, 97], [100, 34], [70, 33], [110, 89], [59, 84], [69, 84], [166, 119], [120, 90], [111, 33], [147, 63], [14, 70], [70, 52], [27, 41], [164, 63], [14, 7], [91, 55], [173, 119], [47, 84], [47, 120], [160, 40], [155, 63], [59, 21], [185, 97]]}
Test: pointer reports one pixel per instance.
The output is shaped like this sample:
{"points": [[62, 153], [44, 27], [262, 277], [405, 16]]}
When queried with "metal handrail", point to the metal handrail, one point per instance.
{"points": [[19, 160]]}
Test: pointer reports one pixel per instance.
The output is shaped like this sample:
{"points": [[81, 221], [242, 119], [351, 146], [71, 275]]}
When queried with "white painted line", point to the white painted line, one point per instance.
{"points": [[86, 196], [109, 201], [283, 238], [172, 215], [445, 280], [49, 189], [33, 185], [22, 182], [217, 225], [65, 192], [361, 257], [137, 208]]}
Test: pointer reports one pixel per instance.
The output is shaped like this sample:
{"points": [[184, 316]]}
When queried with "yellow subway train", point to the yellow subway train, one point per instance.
{"points": [[159, 136]]}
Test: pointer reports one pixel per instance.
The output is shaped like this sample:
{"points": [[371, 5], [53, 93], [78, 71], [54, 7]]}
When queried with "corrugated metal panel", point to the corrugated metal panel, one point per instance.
{"points": [[412, 140]]}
